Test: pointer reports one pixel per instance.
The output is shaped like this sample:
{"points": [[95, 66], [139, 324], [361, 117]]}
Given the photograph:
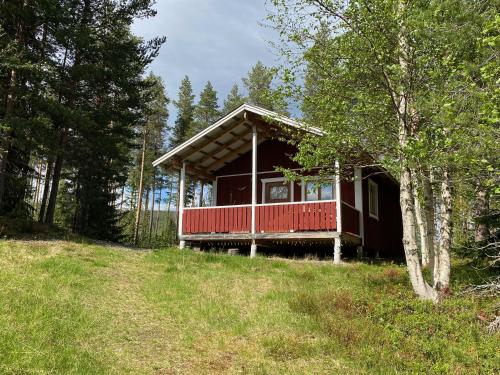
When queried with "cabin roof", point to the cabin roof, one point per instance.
{"points": [[226, 140]]}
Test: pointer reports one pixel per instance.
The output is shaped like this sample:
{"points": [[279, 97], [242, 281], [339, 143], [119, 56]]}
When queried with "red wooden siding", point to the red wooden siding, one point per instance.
{"points": [[295, 217], [350, 219], [217, 220]]}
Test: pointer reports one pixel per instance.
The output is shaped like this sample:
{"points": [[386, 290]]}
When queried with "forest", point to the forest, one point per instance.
{"points": [[414, 84], [83, 117]]}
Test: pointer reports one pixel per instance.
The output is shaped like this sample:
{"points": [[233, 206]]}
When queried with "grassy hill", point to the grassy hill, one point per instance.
{"points": [[67, 307]]}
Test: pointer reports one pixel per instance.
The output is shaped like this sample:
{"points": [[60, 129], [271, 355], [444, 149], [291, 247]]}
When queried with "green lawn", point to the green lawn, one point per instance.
{"points": [[88, 309]]}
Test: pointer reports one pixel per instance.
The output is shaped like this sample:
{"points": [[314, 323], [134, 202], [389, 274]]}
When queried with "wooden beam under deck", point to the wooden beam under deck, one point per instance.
{"points": [[316, 236]]}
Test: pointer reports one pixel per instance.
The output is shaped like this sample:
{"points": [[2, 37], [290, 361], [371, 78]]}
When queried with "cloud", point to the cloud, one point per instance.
{"points": [[216, 40]]}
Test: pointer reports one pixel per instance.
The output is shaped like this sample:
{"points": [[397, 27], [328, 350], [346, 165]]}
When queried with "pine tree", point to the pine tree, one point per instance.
{"points": [[234, 100], [185, 113], [206, 111], [260, 92]]}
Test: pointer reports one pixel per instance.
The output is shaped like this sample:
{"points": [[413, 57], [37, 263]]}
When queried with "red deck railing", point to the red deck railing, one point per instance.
{"points": [[230, 219], [269, 218], [316, 216]]}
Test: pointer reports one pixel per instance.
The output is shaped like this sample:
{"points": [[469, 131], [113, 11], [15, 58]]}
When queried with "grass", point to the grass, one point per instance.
{"points": [[77, 308]]}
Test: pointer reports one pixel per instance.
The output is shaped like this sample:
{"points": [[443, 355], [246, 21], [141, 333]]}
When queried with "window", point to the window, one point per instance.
{"points": [[276, 190], [321, 192], [373, 199]]}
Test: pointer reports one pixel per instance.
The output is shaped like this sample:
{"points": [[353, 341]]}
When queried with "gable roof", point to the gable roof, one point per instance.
{"points": [[226, 140]]}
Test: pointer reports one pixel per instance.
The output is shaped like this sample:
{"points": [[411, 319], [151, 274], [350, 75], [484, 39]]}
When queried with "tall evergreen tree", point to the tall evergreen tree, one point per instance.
{"points": [[260, 91], [206, 111], [234, 100], [185, 113]]}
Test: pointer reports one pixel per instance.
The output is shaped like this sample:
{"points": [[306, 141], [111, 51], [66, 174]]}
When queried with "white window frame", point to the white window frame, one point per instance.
{"points": [[303, 186], [373, 184], [264, 181]]}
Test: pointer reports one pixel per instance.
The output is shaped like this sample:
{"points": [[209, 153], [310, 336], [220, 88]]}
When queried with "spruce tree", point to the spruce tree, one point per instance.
{"points": [[234, 100], [185, 113], [206, 111], [260, 92]]}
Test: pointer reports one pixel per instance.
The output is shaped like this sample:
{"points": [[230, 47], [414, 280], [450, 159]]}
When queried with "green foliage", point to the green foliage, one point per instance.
{"points": [[185, 113], [260, 90], [234, 100], [73, 75], [206, 111]]}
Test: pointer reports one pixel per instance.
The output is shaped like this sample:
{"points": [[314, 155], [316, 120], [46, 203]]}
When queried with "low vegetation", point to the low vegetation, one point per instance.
{"points": [[68, 307]]}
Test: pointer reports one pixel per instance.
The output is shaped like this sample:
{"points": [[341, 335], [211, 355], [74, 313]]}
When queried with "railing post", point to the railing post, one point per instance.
{"points": [[337, 242], [253, 247], [182, 182]]}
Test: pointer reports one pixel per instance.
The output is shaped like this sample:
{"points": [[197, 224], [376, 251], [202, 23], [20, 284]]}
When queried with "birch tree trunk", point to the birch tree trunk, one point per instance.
{"points": [[430, 220], [420, 286], [443, 280], [422, 230], [407, 125]]}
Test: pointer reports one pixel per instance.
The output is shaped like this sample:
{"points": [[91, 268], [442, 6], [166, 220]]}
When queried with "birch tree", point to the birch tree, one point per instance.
{"points": [[383, 77]]}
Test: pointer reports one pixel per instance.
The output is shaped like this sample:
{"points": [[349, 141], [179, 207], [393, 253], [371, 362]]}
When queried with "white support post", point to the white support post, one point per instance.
{"points": [[253, 247], [214, 193], [358, 204], [337, 243], [182, 183]]}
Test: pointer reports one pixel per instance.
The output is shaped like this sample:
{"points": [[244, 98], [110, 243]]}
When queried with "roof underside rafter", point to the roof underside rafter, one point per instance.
{"points": [[225, 141]]}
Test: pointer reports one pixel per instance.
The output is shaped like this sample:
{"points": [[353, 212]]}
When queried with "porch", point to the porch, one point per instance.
{"points": [[251, 203], [302, 222]]}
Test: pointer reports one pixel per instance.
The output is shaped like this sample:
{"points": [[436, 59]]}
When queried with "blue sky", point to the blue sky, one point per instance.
{"points": [[216, 40]]}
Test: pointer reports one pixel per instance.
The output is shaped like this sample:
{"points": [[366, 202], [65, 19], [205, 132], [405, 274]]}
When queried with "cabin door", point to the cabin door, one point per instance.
{"points": [[277, 192]]}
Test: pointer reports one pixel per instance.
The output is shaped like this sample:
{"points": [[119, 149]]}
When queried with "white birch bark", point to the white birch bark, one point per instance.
{"points": [[407, 126], [422, 229], [443, 280]]}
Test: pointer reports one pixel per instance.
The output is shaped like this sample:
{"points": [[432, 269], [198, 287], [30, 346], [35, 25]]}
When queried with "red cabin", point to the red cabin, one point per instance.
{"points": [[252, 204]]}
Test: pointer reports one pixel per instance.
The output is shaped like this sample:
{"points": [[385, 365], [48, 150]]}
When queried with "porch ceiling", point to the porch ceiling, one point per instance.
{"points": [[223, 142]]}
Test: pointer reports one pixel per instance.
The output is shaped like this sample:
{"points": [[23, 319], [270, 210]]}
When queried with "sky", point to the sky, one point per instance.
{"points": [[216, 40]]}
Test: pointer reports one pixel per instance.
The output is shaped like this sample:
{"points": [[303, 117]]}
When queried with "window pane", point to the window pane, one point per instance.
{"points": [[311, 192], [279, 192], [327, 192], [373, 199]]}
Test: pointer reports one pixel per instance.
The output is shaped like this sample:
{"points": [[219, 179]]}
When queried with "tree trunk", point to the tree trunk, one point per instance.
{"points": [[46, 189], [420, 286], [481, 210], [37, 186], [141, 187], [158, 212], [443, 280], [430, 223], [5, 139], [51, 207], [122, 198], [408, 123], [422, 230]]}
